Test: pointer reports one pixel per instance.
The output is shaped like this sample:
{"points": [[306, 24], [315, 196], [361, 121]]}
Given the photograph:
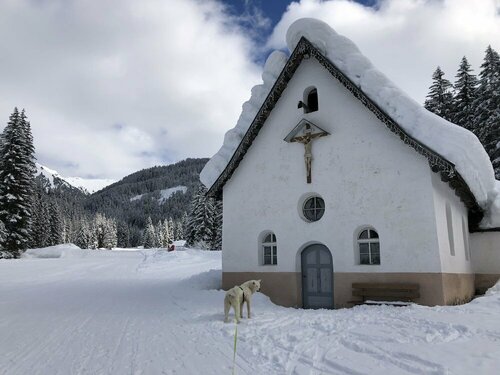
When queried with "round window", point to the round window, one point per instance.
{"points": [[313, 208]]}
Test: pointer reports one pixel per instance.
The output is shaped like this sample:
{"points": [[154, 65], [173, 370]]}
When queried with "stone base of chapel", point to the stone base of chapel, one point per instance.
{"points": [[285, 288]]}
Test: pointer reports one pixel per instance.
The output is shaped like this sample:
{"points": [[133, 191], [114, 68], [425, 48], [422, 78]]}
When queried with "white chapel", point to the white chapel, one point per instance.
{"points": [[334, 181]]}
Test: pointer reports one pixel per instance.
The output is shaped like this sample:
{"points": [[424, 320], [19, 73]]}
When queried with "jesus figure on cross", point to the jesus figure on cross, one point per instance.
{"points": [[306, 140]]}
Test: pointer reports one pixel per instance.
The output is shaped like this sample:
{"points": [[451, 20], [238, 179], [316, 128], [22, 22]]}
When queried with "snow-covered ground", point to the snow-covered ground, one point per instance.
{"points": [[153, 312]]}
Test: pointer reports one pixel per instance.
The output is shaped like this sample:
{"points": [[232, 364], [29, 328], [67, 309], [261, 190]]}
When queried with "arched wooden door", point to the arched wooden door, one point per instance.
{"points": [[317, 277]]}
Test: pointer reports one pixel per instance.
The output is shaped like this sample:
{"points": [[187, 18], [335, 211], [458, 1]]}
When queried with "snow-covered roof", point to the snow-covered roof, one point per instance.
{"points": [[439, 138]]}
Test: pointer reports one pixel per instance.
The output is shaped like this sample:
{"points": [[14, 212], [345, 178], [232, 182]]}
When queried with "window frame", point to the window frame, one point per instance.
{"points": [[314, 210], [273, 247], [370, 241]]}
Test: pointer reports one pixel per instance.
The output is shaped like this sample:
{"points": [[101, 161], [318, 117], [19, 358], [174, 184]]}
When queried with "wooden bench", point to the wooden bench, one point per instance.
{"points": [[381, 293]]}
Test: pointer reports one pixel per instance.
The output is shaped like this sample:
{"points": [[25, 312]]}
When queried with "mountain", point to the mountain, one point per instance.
{"points": [[55, 180], [160, 192], [50, 180]]}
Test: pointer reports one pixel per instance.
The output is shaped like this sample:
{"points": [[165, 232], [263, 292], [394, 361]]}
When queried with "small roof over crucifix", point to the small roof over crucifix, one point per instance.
{"points": [[303, 128], [305, 132]]}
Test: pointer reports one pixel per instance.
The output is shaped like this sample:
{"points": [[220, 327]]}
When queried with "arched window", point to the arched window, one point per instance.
{"points": [[369, 247], [312, 100], [269, 249]]}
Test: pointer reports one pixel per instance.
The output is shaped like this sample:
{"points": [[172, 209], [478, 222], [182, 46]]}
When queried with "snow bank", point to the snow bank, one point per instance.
{"points": [[216, 165], [57, 251], [494, 290], [453, 142]]}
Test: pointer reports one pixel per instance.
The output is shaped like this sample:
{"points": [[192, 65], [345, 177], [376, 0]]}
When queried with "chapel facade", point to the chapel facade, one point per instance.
{"points": [[326, 190]]}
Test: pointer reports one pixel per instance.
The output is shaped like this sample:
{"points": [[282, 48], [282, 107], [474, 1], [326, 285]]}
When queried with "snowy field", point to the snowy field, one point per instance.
{"points": [[153, 312]]}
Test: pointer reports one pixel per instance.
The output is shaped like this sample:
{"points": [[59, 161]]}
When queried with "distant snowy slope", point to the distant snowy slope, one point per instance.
{"points": [[167, 193], [51, 178], [90, 184], [164, 194], [54, 179]]}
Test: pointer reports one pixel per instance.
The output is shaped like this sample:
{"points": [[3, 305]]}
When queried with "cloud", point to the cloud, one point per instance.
{"points": [[114, 86], [407, 39]]}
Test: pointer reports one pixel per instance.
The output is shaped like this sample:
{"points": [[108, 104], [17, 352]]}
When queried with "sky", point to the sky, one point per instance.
{"points": [[114, 86]]}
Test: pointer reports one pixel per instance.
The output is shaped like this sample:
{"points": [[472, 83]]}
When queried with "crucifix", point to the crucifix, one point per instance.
{"points": [[307, 139]]}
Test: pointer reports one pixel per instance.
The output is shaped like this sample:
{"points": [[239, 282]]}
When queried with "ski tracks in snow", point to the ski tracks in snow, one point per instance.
{"points": [[153, 312]]}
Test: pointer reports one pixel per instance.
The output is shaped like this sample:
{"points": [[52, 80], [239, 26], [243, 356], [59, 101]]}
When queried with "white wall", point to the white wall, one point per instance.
{"points": [[485, 248], [364, 172], [443, 194]]}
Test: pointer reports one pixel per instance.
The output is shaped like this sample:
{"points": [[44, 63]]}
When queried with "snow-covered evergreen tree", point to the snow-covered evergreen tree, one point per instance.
{"points": [[84, 236], [17, 168], [166, 238], [172, 233], [109, 234], [216, 243], [40, 234], [159, 235], [123, 235], [149, 235], [56, 225], [3, 234], [203, 221], [184, 225], [440, 97], [179, 229], [104, 232], [487, 107], [465, 93]]}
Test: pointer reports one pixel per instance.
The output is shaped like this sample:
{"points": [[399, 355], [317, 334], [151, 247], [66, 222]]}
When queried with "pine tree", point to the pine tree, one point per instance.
{"points": [[171, 227], [41, 222], [159, 235], [440, 98], [56, 224], [216, 243], [123, 235], [84, 237], [487, 107], [149, 234], [201, 227], [191, 226], [165, 234], [94, 234], [17, 168], [3, 234], [109, 234], [465, 94], [179, 230], [184, 225]]}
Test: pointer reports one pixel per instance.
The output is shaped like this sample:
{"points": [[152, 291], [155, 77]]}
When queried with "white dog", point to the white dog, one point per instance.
{"points": [[237, 296]]}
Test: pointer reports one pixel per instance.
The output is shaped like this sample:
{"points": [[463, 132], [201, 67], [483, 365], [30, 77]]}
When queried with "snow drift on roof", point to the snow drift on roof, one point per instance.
{"points": [[452, 142], [216, 165]]}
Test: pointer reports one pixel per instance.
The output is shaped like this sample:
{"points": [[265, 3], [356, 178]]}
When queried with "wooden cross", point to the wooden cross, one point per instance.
{"points": [[306, 139]]}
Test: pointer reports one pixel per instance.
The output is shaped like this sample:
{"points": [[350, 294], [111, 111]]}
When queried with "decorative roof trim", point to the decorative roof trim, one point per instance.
{"points": [[306, 49]]}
